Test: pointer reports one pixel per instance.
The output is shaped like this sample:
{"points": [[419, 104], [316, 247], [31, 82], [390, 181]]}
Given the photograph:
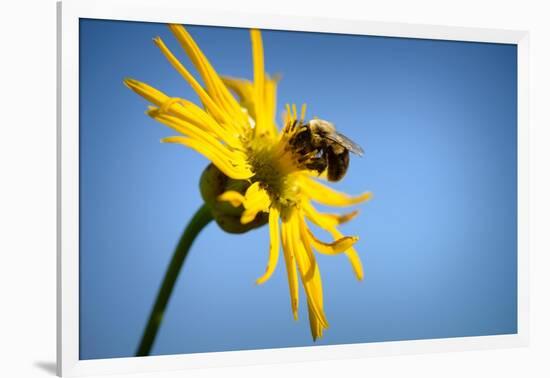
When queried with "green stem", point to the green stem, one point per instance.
{"points": [[201, 218]]}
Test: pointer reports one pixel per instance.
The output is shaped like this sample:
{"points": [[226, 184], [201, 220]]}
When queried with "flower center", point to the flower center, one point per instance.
{"points": [[277, 160], [275, 169]]}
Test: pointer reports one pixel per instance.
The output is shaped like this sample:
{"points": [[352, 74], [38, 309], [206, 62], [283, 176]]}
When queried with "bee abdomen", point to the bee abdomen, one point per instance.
{"points": [[337, 164]]}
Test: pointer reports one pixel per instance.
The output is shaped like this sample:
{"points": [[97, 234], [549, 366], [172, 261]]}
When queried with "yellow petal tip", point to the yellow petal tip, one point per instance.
{"points": [[130, 83], [234, 198]]}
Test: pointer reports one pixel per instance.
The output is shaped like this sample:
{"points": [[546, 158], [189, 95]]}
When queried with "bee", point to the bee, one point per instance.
{"points": [[320, 147]]}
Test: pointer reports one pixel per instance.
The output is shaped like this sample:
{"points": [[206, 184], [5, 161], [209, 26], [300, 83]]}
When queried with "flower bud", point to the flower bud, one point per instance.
{"points": [[214, 182]]}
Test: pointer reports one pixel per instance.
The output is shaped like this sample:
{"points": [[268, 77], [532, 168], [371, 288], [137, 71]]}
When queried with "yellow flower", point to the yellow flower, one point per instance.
{"points": [[240, 137]]}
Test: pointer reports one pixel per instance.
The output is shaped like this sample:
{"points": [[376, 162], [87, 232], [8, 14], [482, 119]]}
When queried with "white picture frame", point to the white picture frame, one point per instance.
{"points": [[69, 13]]}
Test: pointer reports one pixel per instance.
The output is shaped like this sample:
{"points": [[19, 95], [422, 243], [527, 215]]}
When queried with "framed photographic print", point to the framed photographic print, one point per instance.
{"points": [[237, 189]]}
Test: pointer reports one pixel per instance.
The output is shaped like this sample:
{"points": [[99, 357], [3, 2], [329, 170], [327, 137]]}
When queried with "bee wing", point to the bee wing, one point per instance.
{"points": [[344, 141]]}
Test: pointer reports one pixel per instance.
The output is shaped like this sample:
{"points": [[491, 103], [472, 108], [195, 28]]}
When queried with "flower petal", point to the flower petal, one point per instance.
{"points": [[270, 104], [236, 199], [226, 166], [205, 98], [273, 246], [312, 286], [304, 238], [189, 112], [290, 262], [256, 200], [326, 220], [351, 253], [214, 85], [328, 196], [352, 256], [244, 89], [259, 81], [146, 91], [314, 325], [183, 109], [336, 247], [254, 192], [190, 130]]}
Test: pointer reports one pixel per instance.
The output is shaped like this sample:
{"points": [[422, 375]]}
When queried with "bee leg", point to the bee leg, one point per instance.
{"points": [[318, 164], [304, 155]]}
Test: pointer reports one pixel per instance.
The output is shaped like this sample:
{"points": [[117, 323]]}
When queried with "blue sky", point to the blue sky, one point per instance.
{"points": [[437, 121]]}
